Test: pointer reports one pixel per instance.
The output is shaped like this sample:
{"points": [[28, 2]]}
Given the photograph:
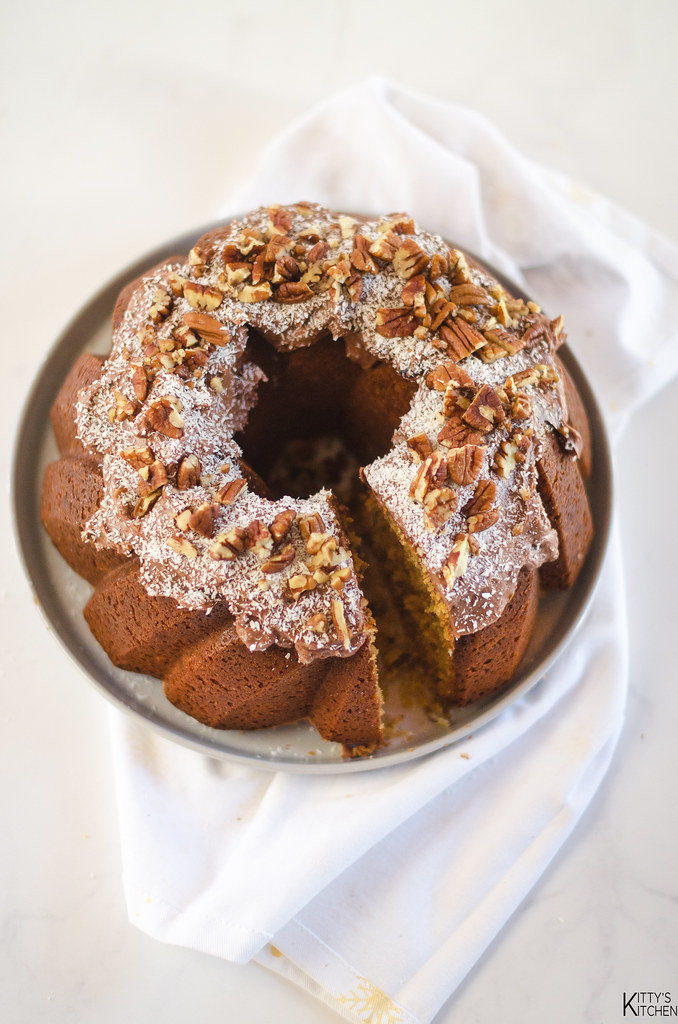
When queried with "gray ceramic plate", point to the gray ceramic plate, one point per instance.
{"points": [[61, 594]]}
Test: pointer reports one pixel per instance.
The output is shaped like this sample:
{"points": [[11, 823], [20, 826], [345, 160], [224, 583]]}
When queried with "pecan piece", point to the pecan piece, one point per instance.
{"points": [[409, 259], [448, 373], [456, 433], [259, 539], [164, 416], [465, 464], [339, 577], [188, 474], [340, 624], [282, 523], [154, 477], [485, 411], [292, 291], [139, 381], [396, 323], [254, 292], [317, 623], [431, 474], [182, 546], [482, 521], [202, 519], [161, 304], [460, 338], [439, 266], [439, 505], [202, 296], [470, 295], [227, 494], [208, 327], [309, 525], [229, 544], [457, 560], [145, 504], [138, 457], [386, 245], [278, 561], [300, 583], [360, 257], [482, 500], [420, 446]]}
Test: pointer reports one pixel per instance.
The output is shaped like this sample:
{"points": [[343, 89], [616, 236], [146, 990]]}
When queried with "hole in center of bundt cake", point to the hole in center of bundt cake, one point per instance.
{"points": [[319, 417]]}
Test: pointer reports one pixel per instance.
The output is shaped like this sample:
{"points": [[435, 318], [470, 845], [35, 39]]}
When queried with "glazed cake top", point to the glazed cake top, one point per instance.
{"points": [[460, 481]]}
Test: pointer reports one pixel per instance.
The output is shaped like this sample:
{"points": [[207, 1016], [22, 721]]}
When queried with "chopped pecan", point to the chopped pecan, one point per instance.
{"points": [[448, 373], [280, 220], [456, 433], [182, 546], [360, 257], [188, 473], [457, 560], [482, 521], [259, 539], [414, 293], [154, 477], [460, 338], [482, 500], [317, 623], [229, 544], [409, 259], [161, 304], [340, 577], [470, 295], [204, 297], [341, 626], [227, 494], [485, 411], [300, 583], [254, 292], [208, 327], [182, 519], [439, 505], [396, 323], [286, 269], [386, 245], [202, 519], [325, 554], [439, 266], [465, 464], [430, 475], [124, 408], [282, 523], [511, 453], [145, 504], [309, 525], [139, 381], [164, 416], [196, 260], [318, 251], [278, 561], [521, 406], [421, 446], [138, 457], [292, 291]]}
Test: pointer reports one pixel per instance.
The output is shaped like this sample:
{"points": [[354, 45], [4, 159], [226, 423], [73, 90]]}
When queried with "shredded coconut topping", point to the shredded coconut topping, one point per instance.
{"points": [[460, 481]]}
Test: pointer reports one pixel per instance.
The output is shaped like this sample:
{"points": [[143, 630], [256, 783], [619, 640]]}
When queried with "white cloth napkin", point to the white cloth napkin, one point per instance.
{"points": [[378, 891]]}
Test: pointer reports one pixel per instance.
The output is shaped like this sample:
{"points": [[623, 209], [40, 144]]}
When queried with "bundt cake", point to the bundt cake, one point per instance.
{"points": [[323, 447]]}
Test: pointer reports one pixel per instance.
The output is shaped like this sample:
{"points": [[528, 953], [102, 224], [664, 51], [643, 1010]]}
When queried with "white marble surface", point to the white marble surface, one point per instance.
{"points": [[125, 125]]}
